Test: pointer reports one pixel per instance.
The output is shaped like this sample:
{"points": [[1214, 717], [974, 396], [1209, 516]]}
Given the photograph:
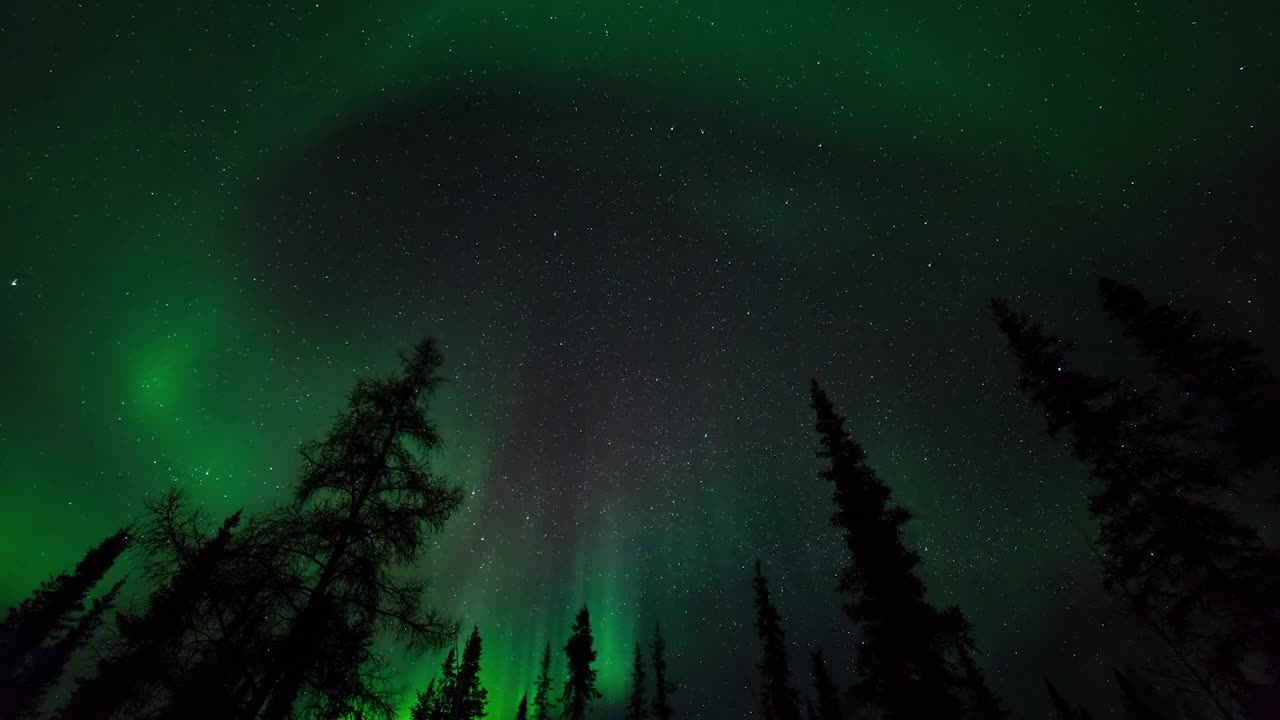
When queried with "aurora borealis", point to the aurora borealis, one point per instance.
{"points": [[638, 230]]}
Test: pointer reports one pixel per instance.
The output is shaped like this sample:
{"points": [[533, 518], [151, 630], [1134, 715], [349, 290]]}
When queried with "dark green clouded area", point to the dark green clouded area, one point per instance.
{"points": [[638, 230]]}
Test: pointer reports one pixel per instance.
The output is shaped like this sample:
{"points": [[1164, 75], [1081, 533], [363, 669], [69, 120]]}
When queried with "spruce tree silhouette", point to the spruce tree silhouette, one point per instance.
{"points": [[1184, 566], [47, 613], [1229, 393], [522, 710], [1062, 709], [580, 683], [636, 703], [364, 504], [147, 645], [470, 697], [543, 703], [437, 702], [778, 698], [662, 687], [828, 696], [425, 702], [47, 665], [911, 655]]}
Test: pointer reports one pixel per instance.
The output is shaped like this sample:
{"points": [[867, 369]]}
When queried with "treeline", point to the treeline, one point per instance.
{"points": [[276, 615]]}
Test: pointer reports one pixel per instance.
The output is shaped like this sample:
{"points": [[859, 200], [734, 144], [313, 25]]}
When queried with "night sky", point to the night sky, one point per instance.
{"points": [[638, 230]]}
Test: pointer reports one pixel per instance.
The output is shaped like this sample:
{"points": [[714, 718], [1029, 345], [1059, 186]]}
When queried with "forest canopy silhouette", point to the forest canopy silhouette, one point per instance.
{"points": [[285, 613]]}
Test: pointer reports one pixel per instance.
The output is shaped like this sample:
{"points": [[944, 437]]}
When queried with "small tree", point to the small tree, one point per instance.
{"points": [[580, 684], [636, 703], [522, 711], [543, 703], [778, 698], [662, 686], [470, 697]]}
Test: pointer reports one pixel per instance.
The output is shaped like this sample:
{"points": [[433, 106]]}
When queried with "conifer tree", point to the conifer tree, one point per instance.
{"points": [[828, 697], [522, 711], [470, 697], [365, 501], [810, 711], [1062, 709], [636, 703], [440, 704], [543, 703], [1184, 566], [580, 683], [425, 703], [662, 687], [49, 662], [149, 643], [1228, 392], [778, 698], [910, 659], [47, 613], [983, 703]]}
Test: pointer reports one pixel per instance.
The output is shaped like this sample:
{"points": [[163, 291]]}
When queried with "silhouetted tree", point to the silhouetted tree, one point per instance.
{"points": [[543, 703], [439, 699], [469, 696], [778, 698], [425, 703], [983, 703], [580, 684], [1200, 580], [910, 659], [662, 687], [148, 644], [1227, 391], [247, 597], [828, 697], [1062, 709], [522, 711], [48, 663], [47, 613], [1139, 700], [363, 506], [636, 704]]}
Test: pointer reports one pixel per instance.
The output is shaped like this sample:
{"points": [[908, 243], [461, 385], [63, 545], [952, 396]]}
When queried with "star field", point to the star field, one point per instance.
{"points": [[638, 230]]}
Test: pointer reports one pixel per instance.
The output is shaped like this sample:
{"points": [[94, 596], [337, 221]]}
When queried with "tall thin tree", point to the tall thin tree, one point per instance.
{"points": [[778, 698], [662, 685], [1194, 575], [636, 703], [48, 612], [580, 682], [1229, 393], [365, 502], [49, 662], [909, 661], [543, 702]]}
